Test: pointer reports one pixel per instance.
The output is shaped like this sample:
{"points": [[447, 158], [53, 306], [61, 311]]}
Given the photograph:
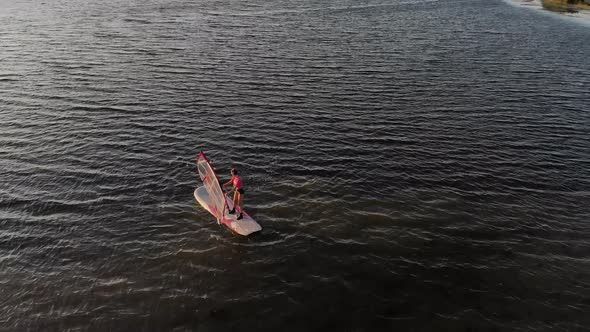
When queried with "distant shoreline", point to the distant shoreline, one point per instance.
{"points": [[566, 5], [579, 12]]}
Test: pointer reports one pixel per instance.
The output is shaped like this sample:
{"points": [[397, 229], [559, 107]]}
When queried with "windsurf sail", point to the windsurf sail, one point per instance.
{"points": [[211, 183]]}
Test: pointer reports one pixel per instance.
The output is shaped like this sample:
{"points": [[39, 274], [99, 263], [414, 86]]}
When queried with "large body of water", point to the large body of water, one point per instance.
{"points": [[415, 166]]}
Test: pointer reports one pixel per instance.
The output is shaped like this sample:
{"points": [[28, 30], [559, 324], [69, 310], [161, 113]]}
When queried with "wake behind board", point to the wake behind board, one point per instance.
{"points": [[244, 226]]}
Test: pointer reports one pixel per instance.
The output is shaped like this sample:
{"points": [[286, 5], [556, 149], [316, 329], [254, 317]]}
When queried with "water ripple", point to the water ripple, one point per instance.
{"points": [[414, 165]]}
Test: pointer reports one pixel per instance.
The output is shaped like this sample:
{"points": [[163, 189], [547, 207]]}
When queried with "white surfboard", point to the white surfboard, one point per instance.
{"points": [[244, 226]]}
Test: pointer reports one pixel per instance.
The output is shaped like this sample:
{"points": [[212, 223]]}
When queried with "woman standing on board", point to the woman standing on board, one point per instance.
{"points": [[236, 181]]}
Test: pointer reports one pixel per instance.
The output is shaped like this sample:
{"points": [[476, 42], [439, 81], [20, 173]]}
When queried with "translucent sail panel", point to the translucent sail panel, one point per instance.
{"points": [[211, 183]]}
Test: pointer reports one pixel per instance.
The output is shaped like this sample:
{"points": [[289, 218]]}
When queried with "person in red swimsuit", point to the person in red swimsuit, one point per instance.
{"points": [[236, 181]]}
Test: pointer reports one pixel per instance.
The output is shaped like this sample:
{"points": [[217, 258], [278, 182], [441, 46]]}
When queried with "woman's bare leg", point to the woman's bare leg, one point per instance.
{"points": [[236, 199]]}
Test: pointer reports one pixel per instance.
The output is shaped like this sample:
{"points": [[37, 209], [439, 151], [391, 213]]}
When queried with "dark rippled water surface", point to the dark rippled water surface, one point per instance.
{"points": [[415, 166]]}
